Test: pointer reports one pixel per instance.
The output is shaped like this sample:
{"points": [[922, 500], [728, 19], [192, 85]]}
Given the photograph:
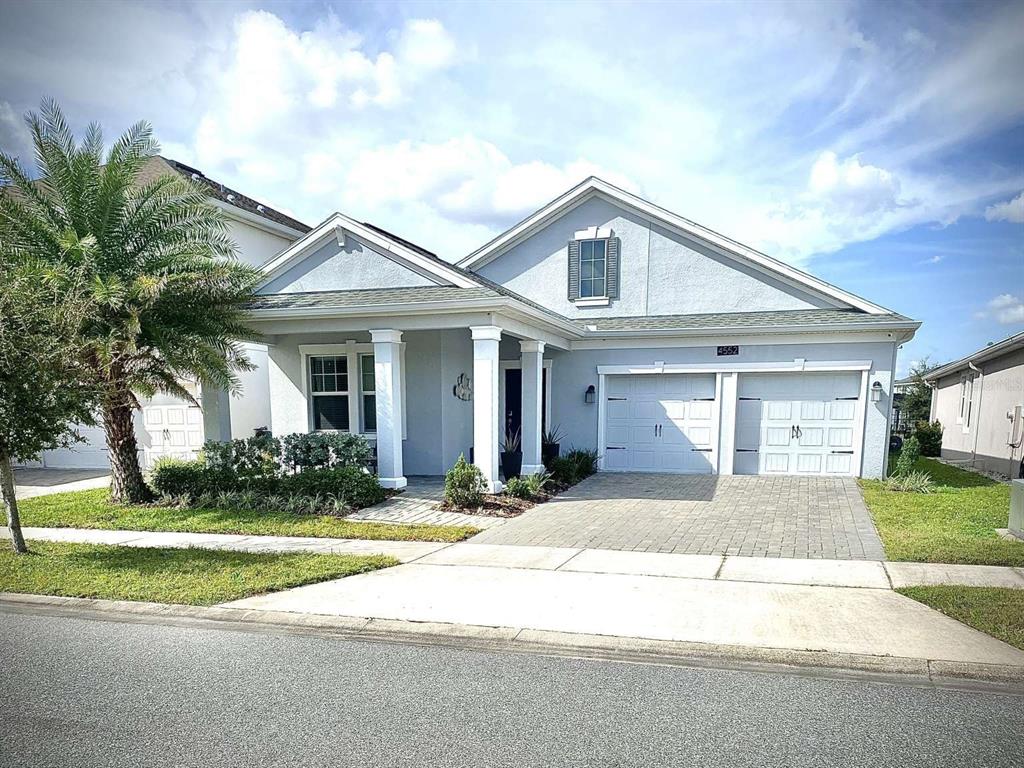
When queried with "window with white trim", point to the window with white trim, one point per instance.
{"points": [[593, 268], [328, 379], [963, 400], [368, 393], [969, 395]]}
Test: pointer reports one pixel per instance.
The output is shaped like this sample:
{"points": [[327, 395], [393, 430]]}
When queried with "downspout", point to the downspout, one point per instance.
{"points": [[977, 422]]}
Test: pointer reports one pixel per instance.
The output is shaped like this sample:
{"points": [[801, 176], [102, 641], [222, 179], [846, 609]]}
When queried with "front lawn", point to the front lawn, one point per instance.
{"points": [[995, 611], [90, 509], [188, 576], [954, 525]]}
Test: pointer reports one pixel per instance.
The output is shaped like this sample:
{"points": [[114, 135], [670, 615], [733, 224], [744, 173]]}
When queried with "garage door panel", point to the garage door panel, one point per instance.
{"points": [[617, 409], [797, 423], [701, 409]]}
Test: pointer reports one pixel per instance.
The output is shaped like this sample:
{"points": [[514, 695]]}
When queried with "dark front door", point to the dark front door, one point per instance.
{"points": [[514, 400]]}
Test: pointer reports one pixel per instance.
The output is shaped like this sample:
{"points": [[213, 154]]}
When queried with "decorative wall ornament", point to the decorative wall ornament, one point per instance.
{"points": [[463, 388]]}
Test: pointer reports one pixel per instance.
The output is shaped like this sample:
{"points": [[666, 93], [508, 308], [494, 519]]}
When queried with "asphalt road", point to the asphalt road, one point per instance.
{"points": [[76, 692]]}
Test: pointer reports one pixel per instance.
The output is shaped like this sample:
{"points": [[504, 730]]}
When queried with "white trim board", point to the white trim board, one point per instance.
{"points": [[595, 187], [782, 367]]}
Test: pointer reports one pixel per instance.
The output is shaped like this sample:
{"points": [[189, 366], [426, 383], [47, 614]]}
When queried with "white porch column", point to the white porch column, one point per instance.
{"points": [[485, 402], [387, 373], [216, 407], [533, 404], [727, 426]]}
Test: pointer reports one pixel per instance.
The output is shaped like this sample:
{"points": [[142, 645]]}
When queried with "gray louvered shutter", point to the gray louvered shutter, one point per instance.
{"points": [[574, 270], [612, 268]]}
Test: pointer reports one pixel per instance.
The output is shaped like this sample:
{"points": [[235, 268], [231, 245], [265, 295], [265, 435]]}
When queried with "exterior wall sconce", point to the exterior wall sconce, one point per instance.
{"points": [[876, 392], [590, 395]]}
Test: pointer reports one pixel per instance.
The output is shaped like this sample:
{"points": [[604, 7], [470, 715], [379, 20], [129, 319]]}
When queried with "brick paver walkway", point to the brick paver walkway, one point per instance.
{"points": [[417, 504], [799, 517]]}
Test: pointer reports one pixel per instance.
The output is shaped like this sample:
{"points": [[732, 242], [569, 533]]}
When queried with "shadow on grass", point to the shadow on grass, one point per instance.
{"points": [[156, 561]]}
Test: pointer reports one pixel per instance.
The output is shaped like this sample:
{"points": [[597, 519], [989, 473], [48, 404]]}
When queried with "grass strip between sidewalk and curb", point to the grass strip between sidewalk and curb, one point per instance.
{"points": [[91, 509], [996, 611], [183, 576], [956, 524]]}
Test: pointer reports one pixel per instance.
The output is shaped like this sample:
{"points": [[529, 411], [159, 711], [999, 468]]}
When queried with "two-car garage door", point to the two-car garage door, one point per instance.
{"points": [[794, 423]]}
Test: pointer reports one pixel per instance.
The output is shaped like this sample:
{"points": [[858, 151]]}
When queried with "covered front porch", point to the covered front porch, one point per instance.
{"points": [[424, 388]]}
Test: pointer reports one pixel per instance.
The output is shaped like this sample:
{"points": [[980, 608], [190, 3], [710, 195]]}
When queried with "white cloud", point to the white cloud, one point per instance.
{"points": [[465, 179], [852, 187], [1005, 309], [933, 259], [1011, 210]]}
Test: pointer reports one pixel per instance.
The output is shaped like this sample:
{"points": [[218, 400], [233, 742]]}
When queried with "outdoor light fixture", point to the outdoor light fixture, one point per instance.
{"points": [[590, 395], [876, 392]]}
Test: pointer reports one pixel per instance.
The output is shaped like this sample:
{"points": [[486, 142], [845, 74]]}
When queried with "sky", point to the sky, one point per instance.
{"points": [[879, 146]]}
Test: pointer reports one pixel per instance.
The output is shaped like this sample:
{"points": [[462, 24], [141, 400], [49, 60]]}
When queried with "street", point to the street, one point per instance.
{"points": [[80, 692]]}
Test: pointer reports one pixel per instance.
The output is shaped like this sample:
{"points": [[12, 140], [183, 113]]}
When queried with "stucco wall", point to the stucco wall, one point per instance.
{"points": [[661, 272], [250, 407], [985, 443], [256, 246], [350, 267]]}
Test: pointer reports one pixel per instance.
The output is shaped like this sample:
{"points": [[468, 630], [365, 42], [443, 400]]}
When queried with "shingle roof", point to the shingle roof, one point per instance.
{"points": [[989, 351], [424, 294], [725, 320], [218, 191]]}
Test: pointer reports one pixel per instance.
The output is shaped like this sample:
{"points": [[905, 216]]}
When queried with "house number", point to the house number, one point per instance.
{"points": [[724, 351]]}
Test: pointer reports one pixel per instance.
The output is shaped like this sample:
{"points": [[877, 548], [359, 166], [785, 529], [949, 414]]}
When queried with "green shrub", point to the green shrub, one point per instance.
{"points": [[929, 435], [178, 478], [574, 466], [908, 456], [527, 486], [350, 485], [464, 484], [317, 450], [911, 482]]}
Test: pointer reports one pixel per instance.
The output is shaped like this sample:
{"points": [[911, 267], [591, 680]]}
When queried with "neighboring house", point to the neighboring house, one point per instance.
{"points": [[978, 400], [167, 426], [900, 388], [660, 344]]}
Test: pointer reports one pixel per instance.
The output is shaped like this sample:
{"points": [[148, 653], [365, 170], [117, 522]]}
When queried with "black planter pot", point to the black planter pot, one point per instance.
{"points": [[548, 453], [511, 464]]}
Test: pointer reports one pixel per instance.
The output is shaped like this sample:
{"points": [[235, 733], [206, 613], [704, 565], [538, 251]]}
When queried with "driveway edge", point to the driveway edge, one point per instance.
{"points": [[1001, 678]]}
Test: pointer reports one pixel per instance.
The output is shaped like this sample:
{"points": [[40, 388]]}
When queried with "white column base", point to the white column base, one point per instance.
{"points": [[392, 483]]}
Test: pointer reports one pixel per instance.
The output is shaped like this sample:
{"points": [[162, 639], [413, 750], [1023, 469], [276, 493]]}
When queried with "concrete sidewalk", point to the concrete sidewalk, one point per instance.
{"points": [[598, 592]]}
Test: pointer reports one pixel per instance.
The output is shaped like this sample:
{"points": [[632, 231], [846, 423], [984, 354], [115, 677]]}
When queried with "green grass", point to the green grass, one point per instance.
{"points": [[188, 576], [90, 509], [954, 525], [995, 611]]}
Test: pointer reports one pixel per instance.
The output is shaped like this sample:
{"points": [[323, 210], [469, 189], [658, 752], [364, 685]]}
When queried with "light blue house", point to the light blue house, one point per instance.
{"points": [[661, 344]]}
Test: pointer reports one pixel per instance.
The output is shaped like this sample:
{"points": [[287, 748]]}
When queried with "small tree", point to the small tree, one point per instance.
{"points": [[170, 296], [917, 400], [43, 392]]}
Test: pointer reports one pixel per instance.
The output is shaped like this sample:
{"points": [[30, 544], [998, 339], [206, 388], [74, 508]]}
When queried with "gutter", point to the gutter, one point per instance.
{"points": [[910, 327]]}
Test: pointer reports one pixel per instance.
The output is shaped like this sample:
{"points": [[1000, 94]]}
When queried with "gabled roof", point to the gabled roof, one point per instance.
{"points": [[595, 187], [160, 165], [366, 298], [787, 319], [997, 349]]}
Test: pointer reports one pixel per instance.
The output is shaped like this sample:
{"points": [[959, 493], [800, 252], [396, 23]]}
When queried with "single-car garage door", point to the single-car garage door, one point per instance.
{"points": [[798, 423], [660, 423]]}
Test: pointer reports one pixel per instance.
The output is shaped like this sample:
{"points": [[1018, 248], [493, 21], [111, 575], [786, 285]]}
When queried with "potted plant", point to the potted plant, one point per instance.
{"points": [[511, 455], [549, 444]]}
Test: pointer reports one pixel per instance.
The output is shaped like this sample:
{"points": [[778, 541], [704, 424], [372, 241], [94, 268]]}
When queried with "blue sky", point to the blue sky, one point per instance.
{"points": [[877, 145]]}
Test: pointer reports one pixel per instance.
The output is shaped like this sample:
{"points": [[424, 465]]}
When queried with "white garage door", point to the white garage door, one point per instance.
{"points": [[170, 430], [798, 423], [660, 423]]}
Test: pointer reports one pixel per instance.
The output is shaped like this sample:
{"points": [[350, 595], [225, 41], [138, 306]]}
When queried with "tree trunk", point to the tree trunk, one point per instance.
{"points": [[127, 485], [11, 503]]}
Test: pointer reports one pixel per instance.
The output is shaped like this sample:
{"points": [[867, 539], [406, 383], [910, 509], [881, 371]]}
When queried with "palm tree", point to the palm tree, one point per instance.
{"points": [[170, 296]]}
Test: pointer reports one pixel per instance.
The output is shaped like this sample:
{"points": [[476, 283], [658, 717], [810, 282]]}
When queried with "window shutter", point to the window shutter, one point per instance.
{"points": [[612, 268], [574, 270]]}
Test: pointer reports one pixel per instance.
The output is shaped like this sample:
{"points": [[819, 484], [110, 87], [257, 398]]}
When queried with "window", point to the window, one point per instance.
{"points": [[593, 263], [970, 397], [329, 391], [369, 393]]}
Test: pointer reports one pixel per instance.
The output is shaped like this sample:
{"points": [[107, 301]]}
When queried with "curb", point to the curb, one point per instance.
{"points": [[891, 669]]}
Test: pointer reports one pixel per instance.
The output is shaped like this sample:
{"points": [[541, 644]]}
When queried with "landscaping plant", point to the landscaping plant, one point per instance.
{"points": [[464, 484], [914, 481], [168, 296], [908, 456], [929, 436], [528, 486], [576, 465]]}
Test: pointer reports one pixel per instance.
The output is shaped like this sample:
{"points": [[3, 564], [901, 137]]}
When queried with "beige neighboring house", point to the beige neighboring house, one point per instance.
{"points": [[979, 401], [167, 426]]}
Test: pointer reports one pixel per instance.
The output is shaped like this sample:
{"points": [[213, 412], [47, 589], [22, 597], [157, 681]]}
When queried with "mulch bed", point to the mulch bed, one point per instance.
{"points": [[500, 505]]}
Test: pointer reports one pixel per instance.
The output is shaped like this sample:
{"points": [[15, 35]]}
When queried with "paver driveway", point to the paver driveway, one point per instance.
{"points": [[798, 517]]}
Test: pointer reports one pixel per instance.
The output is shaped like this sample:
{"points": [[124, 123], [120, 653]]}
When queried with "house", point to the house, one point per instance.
{"points": [[662, 345], [979, 401], [167, 426]]}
